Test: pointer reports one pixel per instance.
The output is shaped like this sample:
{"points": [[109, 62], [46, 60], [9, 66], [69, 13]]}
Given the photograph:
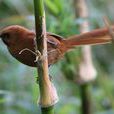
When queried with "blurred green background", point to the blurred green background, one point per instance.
{"points": [[18, 88]]}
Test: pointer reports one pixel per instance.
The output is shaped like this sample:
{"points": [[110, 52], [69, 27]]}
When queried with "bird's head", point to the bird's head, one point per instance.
{"points": [[12, 35]]}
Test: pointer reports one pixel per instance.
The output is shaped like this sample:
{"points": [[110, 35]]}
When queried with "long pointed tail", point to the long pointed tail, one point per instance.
{"points": [[99, 36]]}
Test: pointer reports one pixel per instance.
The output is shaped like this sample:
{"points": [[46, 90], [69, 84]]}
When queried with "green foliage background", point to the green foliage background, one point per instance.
{"points": [[18, 88]]}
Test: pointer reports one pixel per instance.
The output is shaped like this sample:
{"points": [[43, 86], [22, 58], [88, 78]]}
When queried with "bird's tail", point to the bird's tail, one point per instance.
{"points": [[99, 36]]}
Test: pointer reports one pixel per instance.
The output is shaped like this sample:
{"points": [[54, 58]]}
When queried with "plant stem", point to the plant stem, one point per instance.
{"points": [[48, 96], [49, 110], [85, 98], [87, 71]]}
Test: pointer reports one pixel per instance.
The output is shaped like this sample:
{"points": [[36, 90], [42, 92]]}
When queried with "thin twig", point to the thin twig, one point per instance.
{"points": [[37, 54], [108, 25]]}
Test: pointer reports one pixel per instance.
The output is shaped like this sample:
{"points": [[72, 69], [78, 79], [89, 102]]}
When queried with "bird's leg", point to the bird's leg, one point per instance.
{"points": [[50, 77], [38, 56]]}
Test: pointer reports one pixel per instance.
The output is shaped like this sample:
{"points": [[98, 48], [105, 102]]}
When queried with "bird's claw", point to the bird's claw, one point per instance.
{"points": [[38, 56]]}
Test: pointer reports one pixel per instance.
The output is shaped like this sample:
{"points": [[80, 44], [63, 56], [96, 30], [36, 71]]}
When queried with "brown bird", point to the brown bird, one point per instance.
{"points": [[18, 38]]}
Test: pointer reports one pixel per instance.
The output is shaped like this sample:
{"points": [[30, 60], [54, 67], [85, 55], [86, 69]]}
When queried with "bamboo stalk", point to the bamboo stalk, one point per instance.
{"points": [[87, 72], [49, 110], [48, 95], [85, 91]]}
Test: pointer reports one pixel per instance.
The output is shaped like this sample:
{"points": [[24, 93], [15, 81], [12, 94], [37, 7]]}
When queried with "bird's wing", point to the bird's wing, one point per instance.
{"points": [[55, 35], [54, 39]]}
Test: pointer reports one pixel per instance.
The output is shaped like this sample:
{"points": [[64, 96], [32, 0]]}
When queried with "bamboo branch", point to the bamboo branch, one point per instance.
{"points": [[48, 95]]}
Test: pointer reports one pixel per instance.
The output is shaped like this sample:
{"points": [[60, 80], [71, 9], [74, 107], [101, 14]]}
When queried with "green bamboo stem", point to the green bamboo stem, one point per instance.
{"points": [[48, 95], [85, 92], [49, 110], [39, 21]]}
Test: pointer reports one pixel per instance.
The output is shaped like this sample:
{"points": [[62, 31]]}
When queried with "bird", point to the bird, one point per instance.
{"points": [[18, 38]]}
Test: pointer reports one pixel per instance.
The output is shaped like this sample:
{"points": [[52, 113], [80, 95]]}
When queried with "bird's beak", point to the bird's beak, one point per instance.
{"points": [[0, 34]]}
